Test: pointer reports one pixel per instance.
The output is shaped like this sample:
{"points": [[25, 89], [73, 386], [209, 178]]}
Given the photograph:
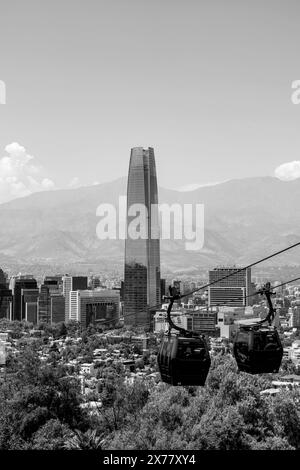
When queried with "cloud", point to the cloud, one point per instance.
{"points": [[20, 175], [288, 171], [194, 186], [74, 183]]}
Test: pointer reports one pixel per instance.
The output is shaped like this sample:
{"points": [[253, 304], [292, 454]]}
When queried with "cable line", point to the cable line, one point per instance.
{"points": [[205, 286]]}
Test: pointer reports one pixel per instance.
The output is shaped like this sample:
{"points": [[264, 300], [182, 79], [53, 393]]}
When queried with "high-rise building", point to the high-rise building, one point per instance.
{"points": [[163, 287], [142, 255], [3, 279], [44, 304], [95, 306], [18, 283], [5, 303], [52, 285], [230, 291], [5, 297], [72, 283], [29, 305], [57, 308]]}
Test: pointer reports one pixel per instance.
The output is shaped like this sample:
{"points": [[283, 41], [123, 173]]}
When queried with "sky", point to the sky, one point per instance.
{"points": [[208, 84]]}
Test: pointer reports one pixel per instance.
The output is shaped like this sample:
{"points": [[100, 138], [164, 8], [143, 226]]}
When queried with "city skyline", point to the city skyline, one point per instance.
{"points": [[149, 229]]}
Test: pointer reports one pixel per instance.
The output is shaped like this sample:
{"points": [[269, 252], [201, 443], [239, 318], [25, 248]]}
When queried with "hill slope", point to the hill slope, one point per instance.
{"points": [[244, 220]]}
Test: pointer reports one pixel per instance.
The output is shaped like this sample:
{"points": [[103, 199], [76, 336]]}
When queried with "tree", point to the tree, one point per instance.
{"points": [[220, 429], [88, 440], [51, 436]]}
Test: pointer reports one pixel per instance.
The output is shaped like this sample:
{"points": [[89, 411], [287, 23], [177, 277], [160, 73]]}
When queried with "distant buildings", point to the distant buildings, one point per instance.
{"points": [[142, 255], [96, 306], [200, 321], [231, 291]]}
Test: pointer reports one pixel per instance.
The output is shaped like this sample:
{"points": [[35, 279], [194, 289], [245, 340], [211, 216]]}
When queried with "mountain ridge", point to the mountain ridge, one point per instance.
{"points": [[244, 220]]}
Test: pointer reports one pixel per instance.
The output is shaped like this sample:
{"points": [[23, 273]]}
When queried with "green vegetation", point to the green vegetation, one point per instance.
{"points": [[42, 405]]}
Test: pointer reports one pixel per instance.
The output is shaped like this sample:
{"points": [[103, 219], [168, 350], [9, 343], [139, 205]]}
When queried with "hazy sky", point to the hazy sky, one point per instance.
{"points": [[206, 83]]}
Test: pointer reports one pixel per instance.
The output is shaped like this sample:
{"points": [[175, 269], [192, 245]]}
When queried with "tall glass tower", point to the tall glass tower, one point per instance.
{"points": [[142, 255]]}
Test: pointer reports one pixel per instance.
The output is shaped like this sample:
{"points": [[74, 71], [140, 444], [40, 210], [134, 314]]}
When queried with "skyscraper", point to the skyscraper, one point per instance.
{"points": [[142, 256]]}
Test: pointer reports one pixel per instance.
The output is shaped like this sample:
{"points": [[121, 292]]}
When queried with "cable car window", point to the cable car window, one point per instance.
{"points": [[190, 350], [242, 338]]}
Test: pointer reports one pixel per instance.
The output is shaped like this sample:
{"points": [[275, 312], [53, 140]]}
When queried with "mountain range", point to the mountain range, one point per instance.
{"points": [[245, 219]]}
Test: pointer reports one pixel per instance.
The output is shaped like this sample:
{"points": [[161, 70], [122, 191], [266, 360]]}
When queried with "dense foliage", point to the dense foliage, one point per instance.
{"points": [[42, 407]]}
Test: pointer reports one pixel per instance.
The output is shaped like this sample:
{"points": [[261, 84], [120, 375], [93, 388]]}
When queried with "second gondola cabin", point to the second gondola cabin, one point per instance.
{"points": [[258, 349]]}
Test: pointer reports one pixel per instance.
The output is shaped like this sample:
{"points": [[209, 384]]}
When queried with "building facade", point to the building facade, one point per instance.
{"points": [[72, 283], [16, 285], [52, 285], [5, 297], [29, 305], [97, 306], [231, 291], [57, 308]]}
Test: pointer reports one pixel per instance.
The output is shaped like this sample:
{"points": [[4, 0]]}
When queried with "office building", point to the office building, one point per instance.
{"points": [[142, 255], [233, 291], [17, 284], [29, 305], [5, 297], [57, 308], [294, 320], [96, 307], [3, 279], [52, 285], [72, 283], [200, 321], [5, 303]]}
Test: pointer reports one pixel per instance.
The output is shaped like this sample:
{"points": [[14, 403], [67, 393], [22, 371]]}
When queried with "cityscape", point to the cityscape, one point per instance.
{"points": [[149, 231], [102, 334]]}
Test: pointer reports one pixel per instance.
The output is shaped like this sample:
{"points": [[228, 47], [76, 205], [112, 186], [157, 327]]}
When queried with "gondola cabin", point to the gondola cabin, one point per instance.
{"points": [[183, 360], [258, 350]]}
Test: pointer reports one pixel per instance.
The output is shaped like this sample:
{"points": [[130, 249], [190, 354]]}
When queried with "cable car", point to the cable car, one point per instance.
{"points": [[258, 350], [183, 360]]}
